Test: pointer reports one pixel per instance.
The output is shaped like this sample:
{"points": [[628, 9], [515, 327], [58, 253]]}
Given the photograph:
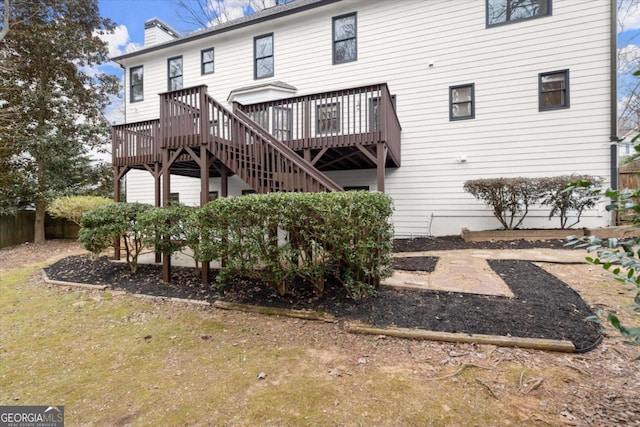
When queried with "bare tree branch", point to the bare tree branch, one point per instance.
{"points": [[207, 13]]}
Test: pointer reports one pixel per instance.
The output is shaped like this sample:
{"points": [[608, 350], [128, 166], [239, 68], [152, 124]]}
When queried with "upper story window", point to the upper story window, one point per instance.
{"points": [[505, 11], [136, 91], [206, 60], [553, 90], [345, 46], [263, 56], [174, 66], [462, 102]]}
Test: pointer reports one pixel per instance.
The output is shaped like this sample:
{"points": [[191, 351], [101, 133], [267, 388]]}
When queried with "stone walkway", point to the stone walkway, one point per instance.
{"points": [[468, 271]]}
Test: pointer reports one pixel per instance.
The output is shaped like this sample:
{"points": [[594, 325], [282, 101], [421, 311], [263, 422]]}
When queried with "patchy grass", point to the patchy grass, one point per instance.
{"points": [[113, 360]]}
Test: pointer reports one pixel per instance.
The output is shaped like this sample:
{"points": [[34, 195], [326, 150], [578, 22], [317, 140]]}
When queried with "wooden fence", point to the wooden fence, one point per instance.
{"points": [[20, 228]]}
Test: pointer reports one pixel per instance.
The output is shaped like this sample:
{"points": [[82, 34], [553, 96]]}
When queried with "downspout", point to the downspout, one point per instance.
{"points": [[614, 103], [614, 95], [124, 86]]}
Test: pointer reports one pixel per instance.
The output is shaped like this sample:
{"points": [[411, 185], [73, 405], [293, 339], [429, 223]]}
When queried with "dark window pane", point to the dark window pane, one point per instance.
{"points": [[554, 90], [137, 93], [207, 55], [175, 67], [264, 47], [207, 68], [264, 67], [500, 11], [344, 28], [345, 51]]}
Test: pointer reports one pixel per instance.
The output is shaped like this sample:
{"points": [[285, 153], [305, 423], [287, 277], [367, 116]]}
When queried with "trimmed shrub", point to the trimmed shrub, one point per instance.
{"points": [[509, 198], [73, 207], [102, 227], [308, 236], [563, 197], [170, 230]]}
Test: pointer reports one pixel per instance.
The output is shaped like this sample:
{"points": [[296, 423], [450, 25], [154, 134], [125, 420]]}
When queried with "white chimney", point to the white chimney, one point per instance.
{"points": [[156, 31]]}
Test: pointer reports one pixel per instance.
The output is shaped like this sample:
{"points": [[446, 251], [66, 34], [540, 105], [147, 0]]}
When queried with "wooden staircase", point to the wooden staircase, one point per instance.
{"points": [[190, 118]]}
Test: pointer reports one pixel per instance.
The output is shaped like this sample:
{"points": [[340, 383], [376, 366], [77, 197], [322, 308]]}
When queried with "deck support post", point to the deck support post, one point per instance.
{"points": [[380, 164], [204, 199], [116, 197], [166, 196], [158, 197]]}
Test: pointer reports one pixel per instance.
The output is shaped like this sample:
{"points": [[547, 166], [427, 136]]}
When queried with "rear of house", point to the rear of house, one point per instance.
{"points": [[412, 98]]}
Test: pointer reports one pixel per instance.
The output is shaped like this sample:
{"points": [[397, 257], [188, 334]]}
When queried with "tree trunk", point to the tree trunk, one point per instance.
{"points": [[41, 208]]}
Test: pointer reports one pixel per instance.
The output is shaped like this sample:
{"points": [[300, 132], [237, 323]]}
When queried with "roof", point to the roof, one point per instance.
{"points": [[285, 87], [261, 16]]}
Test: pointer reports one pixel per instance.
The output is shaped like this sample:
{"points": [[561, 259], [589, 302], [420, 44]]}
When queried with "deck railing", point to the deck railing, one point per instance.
{"points": [[358, 116], [135, 143], [363, 115]]}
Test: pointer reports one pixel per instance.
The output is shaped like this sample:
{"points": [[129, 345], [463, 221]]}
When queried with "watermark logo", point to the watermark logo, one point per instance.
{"points": [[31, 416]]}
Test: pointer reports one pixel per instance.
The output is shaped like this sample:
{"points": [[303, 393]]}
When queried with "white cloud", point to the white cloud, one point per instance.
{"points": [[119, 42], [628, 59]]}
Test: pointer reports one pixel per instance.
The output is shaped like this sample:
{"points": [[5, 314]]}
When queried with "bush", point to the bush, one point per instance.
{"points": [[73, 207], [562, 197], [296, 237], [618, 255], [169, 229], [511, 198], [106, 225]]}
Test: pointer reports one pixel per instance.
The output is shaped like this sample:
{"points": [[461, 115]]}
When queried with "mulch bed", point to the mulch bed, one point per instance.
{"points": [[543, 306]]}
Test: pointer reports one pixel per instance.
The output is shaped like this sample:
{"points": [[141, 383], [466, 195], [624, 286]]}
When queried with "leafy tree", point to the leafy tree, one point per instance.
{"points": [[49, 86], [73, 207]]}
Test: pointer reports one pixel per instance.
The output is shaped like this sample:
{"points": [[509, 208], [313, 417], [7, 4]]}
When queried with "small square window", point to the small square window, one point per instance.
{"points": [[345, 46], [263, 65], [174, 198], [136, 77], [206, 59], [247, 192], [462, 102], [553, 90]]}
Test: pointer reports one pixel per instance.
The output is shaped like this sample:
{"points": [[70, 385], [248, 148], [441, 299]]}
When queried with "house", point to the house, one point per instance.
{"points": [[412, 98]]}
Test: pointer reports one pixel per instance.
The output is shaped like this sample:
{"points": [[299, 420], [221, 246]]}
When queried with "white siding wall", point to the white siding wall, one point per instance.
{"points": [[397, 42]]}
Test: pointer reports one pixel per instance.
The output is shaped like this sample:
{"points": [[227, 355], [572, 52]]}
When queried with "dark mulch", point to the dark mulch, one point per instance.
{"points": [[543, 307], [416, 263], [456, 242]]}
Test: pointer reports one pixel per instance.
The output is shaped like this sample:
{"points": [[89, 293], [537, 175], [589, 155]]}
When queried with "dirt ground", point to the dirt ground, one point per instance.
{"points": [[599, 388]]}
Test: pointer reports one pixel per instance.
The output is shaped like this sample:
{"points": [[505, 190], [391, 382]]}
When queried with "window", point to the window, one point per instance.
{"points": [[136, 75], [357, 188], [461, 102], [554, 90], [327, 119], [213, 195], [174, 198], [282, 118], [246, 192], [174, 66], [263, 56], [344, 39], [206, 59], [374, 103], [506, 11]]}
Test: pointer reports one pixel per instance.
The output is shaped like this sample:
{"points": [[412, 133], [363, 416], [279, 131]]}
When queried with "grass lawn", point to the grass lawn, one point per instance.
{"points": [[114, 359]]}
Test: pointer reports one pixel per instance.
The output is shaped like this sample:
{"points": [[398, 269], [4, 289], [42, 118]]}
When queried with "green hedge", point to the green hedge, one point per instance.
{"points": [[284, 239]]}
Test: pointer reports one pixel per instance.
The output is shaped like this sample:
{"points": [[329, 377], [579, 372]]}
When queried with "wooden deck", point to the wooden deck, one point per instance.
{"points": [[335, 130]]}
